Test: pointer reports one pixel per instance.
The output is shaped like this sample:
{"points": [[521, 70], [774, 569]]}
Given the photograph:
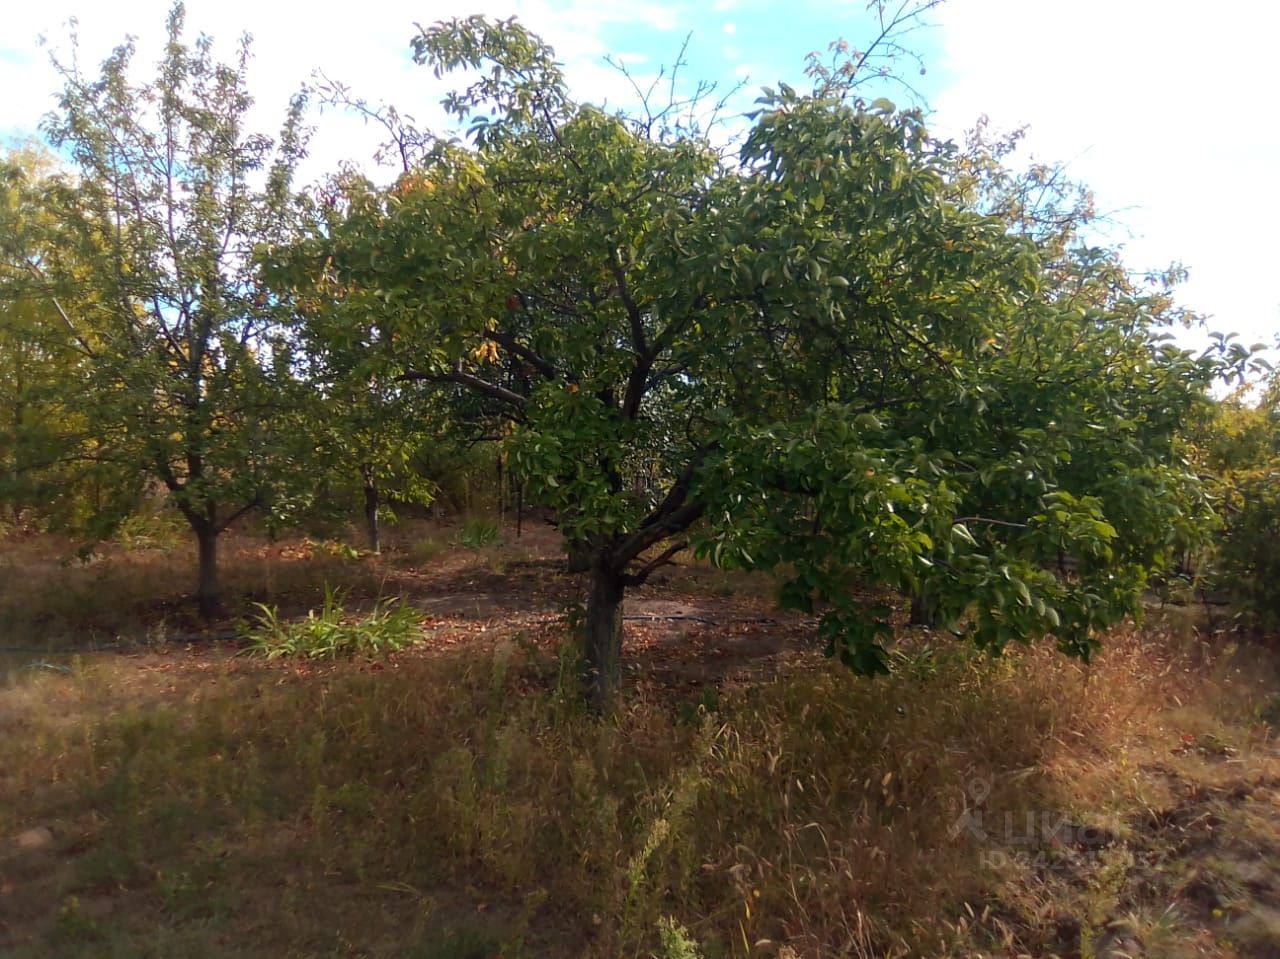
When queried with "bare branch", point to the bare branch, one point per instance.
{"points": [[989, 521]]}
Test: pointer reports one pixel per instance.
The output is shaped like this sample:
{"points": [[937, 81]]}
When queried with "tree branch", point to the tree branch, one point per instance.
{"points": [[458, 375], [511, 344], [243, 510], [989, 521], [71, 327], [673, 515], [634, 313], [639, 576]]}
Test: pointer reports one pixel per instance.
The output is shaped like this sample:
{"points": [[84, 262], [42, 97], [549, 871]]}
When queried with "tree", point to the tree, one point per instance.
{"points": [[172, 194], [41, 363], [362, 431], [1237, 445], [800, 358]]}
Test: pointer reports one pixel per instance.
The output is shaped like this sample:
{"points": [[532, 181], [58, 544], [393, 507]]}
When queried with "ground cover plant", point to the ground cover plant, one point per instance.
{"points": [[330, 631]]}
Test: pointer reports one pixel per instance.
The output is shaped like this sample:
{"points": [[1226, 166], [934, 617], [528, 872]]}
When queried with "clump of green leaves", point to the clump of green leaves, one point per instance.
{"points": [[331, 547], [478, 533], [330, 632], [150, 530]]}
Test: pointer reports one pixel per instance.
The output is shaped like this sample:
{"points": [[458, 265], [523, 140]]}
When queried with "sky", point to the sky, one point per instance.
{"points": [[1165, 108]]}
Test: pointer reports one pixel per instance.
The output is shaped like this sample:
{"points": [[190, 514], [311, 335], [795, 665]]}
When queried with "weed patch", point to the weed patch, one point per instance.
{"points": [[331, 632], [478, 533]]}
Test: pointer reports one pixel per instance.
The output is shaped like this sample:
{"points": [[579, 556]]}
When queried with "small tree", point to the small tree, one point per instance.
{"points": [[172, 193], [804, 357], [363, 432]]}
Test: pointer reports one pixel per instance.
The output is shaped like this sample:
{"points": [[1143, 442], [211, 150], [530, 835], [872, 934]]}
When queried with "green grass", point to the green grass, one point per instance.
{"points": [[478, 533], [331, 632], [427, 549]]}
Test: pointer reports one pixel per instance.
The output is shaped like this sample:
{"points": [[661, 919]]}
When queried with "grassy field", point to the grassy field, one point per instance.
{"points": [[169, 796]]}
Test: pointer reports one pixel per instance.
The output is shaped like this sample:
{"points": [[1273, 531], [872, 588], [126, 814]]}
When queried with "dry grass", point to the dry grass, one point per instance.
{"points": [[458, 803], [140, 592], [51, 598]]}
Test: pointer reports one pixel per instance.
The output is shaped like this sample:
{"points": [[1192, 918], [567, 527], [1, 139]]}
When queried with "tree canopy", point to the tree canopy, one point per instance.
{"points": [[830, 345], [845, 352]]}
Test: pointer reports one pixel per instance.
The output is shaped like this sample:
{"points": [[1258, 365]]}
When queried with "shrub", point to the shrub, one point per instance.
{"points": [[153, 529], [1249, 553]]}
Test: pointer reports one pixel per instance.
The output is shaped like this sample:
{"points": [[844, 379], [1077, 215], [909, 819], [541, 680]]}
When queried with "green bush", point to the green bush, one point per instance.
{"points": [[329, 633], [152, 529]]}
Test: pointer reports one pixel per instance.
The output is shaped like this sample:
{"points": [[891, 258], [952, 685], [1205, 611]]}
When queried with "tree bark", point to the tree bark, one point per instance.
{"points": [[207, 591], [371, 511], [923, 610], [499, 475], [579, 558], [602, 648]]}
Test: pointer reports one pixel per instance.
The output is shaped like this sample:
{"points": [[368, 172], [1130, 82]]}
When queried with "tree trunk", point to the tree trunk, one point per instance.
{"points": [[923, 610], [371, 511], [502, 490], [207, 592], [579, 558], [603, 646]]}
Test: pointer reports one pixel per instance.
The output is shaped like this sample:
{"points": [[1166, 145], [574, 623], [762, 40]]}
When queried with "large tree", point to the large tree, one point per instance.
{"points": [[827, 354], [172, 191]]}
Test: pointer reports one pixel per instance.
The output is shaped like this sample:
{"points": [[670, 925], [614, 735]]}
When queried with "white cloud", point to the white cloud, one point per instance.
{"points": [[368, 51], [1164, 108]]}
